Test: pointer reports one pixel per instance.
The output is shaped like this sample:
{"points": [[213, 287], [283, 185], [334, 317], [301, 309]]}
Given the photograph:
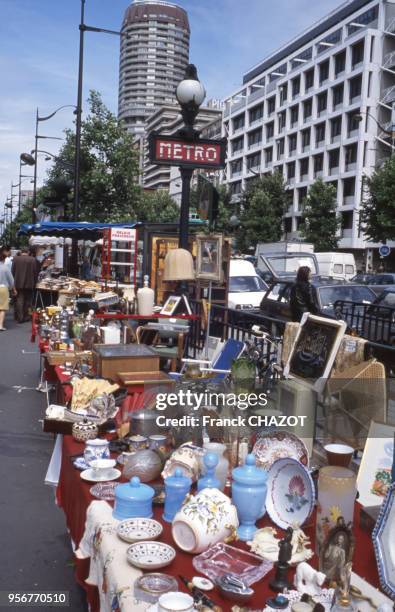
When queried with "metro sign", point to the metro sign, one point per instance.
{"points": [[176, 151]]}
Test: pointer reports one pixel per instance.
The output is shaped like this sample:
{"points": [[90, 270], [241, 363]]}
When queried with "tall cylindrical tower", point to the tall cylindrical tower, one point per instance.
{"points": [[153, 58]]}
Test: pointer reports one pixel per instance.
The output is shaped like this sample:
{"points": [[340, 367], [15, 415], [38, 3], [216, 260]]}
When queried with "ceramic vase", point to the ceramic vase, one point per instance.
{"points": [[177, 488], [205, 519], [221, 471], [249, 496], [336, 496]]}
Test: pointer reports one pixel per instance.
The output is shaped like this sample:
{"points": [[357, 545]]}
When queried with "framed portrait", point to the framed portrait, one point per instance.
{"points": [[337, 551], [171, 304], [314, 350], [383, 540], [374, 475], [209, 257]]}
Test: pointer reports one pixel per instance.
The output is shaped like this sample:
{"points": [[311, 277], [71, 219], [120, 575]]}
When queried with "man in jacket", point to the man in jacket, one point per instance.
{"points": [[24, 270]]}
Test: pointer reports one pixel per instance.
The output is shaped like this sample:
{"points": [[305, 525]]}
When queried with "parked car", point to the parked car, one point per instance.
{"points": [[377, 282], [376, 321], [246, 288], [336, 264], [276, 301]]}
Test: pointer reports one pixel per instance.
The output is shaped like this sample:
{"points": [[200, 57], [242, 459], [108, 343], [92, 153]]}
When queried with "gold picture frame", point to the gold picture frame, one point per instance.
{"points": [[209, 257]]}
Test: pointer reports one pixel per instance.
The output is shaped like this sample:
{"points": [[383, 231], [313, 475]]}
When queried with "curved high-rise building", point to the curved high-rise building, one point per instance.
{"points": [[153, 58]]}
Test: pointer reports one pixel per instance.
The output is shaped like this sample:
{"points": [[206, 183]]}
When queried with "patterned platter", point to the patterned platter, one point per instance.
{"points": [[290, 494], [137, 529], [104, 490], [150, 555], [278, 445]]}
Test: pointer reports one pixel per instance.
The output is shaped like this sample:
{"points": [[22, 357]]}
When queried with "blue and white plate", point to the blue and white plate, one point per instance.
{"points": [[290, 494]]}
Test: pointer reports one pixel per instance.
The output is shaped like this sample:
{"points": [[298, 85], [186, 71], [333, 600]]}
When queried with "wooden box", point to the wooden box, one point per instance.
{"points": [[111, 359]]}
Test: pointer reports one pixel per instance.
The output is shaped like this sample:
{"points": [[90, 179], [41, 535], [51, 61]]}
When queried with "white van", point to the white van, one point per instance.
{"points": [[337, 265], [246, 288]]}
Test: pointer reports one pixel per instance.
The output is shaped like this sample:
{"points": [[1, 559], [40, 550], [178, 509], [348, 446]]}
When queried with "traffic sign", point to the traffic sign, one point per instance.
{"points": [[384, 250], [177, 151]]}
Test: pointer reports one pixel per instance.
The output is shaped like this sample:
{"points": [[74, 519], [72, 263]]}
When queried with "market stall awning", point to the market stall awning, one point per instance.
{"points": [[81, 230]]}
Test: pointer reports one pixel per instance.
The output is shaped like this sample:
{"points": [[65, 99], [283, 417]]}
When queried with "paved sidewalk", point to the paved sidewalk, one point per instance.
{"points": [[35, 550]]}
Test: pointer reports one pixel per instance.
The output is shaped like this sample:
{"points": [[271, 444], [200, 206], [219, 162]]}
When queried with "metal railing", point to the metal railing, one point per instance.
{"points": [[375, 323]]}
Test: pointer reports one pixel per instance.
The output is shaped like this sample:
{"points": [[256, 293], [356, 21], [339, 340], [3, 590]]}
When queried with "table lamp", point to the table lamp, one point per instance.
{"points": [[179, 266]]}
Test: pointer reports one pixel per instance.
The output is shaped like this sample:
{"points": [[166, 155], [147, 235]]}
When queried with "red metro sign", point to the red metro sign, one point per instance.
{"points": [[175, 151]]}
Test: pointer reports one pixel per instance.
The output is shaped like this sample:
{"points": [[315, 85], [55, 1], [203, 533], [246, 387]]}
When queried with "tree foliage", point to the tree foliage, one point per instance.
{"points": [[109, 190], [262, 208], [377, 215], [159, 207], [320, 224]]}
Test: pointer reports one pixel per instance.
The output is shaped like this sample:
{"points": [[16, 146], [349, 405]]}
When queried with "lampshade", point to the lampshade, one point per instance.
{"points": [[178, 266]]}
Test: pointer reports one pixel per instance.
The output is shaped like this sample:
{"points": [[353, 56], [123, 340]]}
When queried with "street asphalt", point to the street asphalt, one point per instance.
{"points": [[35, 549]]}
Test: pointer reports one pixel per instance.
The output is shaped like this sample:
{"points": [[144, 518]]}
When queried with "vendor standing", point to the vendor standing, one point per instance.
{"points": [[24, 270], [302, 298], [6, 285]]}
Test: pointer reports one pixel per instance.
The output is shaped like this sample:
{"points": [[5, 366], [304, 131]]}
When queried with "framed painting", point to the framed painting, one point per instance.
{"points": [[209, 257], [374, 475], [384, 543]]}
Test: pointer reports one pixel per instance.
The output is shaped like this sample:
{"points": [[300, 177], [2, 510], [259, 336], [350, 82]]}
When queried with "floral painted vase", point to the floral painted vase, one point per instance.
{"points": [[205, 519]]}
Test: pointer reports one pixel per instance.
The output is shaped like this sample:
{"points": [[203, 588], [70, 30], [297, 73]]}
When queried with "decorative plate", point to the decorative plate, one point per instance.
{"points": [[290, 493], [104, 490], [149, 587], [277, 445], [137, 529], [89, 475], [384, 543], [150, 555]]}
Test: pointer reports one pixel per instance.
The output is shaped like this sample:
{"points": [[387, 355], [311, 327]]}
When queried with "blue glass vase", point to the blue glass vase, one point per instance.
{"points": [[177, 488], [209, 480], [249, 496]]}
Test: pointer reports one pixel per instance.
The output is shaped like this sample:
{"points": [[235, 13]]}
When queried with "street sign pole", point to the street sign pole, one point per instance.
{"points": [[186, 176]]}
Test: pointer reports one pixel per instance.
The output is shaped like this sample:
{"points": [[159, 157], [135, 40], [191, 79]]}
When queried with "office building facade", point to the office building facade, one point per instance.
{"points": [[316, 108], [154, 53]]}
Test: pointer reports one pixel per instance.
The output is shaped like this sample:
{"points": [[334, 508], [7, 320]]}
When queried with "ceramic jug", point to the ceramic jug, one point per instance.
{"points": [[96, 449], [205, 519]]}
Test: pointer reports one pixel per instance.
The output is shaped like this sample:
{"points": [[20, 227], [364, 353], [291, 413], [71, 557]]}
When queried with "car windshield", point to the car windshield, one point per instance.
{"points": [[388, 299], [242, 284], [329, 295]]}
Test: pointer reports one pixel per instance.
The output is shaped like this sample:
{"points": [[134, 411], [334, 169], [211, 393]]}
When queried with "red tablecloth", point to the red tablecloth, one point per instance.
{"points": [[74, 497]]}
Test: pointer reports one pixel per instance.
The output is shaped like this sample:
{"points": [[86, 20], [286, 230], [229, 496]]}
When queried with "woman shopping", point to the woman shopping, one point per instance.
{"points": [[6, 285]]}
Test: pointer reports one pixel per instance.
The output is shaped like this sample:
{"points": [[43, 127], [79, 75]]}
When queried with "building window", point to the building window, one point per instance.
{"points": [[305, 139], [238, 122], [355, 87], [281, 121], [351, 157], [294, 115], [357, 53], [309, 80], [291, 170], [256, 113], [304, 168], [268, 155], [292, 142], [336, 129], [236, 167], [254, 161], [337, 95], [349, 190], [318, 165], [353, 120], [283, 94], [324, 72], [271, 105], [280, 148], [307, 109], [235, 188], [364, 19], [347, 222], [288, 225], [302, 195], [269, 131], [340, 63], [237, 145], [254, 138], [334, 157], [322, 103], [295, 87]]}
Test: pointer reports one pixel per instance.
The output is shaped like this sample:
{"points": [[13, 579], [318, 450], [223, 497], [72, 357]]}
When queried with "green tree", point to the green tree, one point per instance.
{"points": [[377, 215], [262, 209], [109, 190], [158, 206], [320, 224]]}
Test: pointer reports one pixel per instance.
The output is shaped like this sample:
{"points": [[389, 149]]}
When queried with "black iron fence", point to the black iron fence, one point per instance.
{"points": [[373, 322]]}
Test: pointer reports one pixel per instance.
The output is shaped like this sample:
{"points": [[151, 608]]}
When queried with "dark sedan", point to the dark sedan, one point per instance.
{"points": [[377, 282]]}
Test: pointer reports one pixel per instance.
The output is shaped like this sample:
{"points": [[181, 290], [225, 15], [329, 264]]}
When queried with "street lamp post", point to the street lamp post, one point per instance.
{"points": [[190, 94]]}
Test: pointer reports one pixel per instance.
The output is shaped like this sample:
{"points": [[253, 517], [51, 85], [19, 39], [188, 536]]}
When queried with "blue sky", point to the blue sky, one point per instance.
{"points": [[39, 58]]}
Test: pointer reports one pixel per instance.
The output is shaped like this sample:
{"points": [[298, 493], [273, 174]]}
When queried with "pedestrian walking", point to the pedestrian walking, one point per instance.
{"points": [[302, 298], [6, 285], [24, 270]]}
